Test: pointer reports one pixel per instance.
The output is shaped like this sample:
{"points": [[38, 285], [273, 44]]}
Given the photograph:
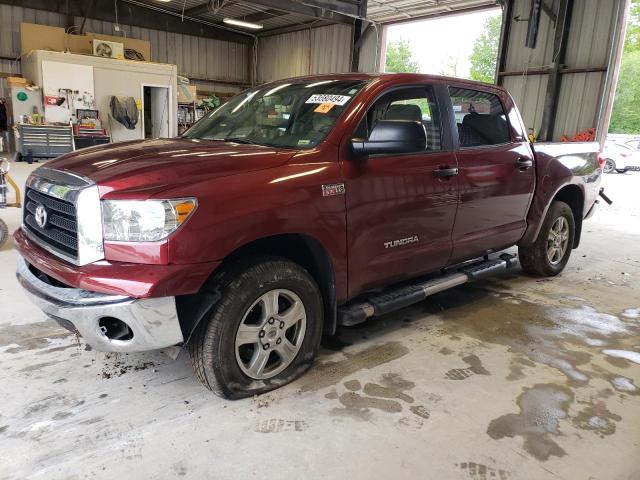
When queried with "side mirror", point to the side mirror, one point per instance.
{"points": [[392, 136]]}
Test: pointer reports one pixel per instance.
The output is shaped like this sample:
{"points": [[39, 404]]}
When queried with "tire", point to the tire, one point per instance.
{"points": [[4, 233], [609, 166], [621, 170], [227, 368], [537, 259]]}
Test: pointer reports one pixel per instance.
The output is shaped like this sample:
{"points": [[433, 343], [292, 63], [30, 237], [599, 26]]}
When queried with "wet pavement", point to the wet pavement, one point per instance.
{"points": [[511, 378]]}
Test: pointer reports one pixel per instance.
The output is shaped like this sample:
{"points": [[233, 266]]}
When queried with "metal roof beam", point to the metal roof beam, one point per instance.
{"points": [[337, 11], [260, 16], [136, 13], [198, 9], [295, 28]]}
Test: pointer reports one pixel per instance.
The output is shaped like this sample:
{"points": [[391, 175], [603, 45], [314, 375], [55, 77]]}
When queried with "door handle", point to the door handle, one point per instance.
{"points": [[445, 172], [524, 163]]}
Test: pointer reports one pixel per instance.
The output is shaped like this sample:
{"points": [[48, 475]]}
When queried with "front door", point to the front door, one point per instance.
{"points": [[400, 207], [496, 176]]}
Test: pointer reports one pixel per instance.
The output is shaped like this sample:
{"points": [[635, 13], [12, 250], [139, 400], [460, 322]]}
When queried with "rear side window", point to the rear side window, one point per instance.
{"points": [[414, 104], [480, 118]]}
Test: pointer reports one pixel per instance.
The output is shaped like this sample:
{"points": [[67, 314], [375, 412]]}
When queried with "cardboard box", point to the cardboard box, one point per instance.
{"points": [[16, 82], [43, 37], [186, 93]]}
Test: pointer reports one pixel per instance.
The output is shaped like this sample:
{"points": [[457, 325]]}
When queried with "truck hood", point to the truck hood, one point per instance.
{"points": [[145, 167]]}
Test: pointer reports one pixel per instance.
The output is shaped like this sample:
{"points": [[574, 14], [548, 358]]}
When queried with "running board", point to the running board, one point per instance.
{"points": [[380, 304]]}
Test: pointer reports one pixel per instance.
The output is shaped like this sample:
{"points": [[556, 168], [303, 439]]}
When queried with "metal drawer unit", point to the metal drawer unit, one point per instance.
{"points": [[44, 141]]}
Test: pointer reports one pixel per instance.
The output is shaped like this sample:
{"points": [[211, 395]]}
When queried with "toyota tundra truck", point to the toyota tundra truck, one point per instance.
{"points": [[294, 208]]}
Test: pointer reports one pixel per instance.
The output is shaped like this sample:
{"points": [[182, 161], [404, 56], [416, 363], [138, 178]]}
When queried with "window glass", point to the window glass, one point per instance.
{"points": [[297, 114], [480, 118], [409, 105]]}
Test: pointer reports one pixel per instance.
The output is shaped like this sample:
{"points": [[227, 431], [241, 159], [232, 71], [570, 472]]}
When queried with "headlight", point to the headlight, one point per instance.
{"points": [[4, 165], [144, 220]]}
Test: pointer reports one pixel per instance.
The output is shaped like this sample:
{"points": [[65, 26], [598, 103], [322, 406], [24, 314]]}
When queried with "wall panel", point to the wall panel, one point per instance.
{"points": [[203, 58], [590, 41], [305, 52]]}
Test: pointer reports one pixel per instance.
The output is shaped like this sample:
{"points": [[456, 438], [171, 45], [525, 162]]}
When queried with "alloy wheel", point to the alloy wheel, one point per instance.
{"points": [[558, 240], [270, 334]]}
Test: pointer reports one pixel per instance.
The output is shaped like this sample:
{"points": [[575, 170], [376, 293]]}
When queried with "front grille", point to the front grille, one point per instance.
{"points": [[60, 232]]}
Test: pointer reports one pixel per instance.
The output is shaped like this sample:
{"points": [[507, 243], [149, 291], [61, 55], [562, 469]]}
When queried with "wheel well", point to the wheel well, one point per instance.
{"points": [[306, 252], [573, 196]]}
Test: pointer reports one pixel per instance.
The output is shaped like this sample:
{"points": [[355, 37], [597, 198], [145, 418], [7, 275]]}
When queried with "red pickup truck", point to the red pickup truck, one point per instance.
{"points": [[296, 207]]}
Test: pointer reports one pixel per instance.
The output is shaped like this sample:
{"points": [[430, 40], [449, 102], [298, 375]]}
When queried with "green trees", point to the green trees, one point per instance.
{"points": [[485, 51], [625, 117], [399, 58]]}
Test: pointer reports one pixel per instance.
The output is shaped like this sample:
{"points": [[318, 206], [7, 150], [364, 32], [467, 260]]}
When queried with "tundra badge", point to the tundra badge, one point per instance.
{"points": [[332, 189], [401, 241]]}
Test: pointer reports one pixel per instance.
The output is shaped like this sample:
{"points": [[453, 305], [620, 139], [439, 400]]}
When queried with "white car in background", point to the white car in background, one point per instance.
{"points": [[619, 157]]}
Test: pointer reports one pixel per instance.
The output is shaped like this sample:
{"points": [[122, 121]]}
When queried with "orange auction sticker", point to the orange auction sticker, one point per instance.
{"points": [[324, 107]]}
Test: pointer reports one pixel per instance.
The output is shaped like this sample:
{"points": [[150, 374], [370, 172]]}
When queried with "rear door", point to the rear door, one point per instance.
{"points": [[496, 175], [399, 213]]}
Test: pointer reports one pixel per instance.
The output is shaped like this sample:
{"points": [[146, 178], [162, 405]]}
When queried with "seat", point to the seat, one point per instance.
{"points": [[493, 129], [408, 113], [468, 136]]}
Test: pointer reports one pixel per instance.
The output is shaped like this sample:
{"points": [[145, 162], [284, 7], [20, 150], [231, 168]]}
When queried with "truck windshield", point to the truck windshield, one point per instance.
{"points": [[288, 115]]}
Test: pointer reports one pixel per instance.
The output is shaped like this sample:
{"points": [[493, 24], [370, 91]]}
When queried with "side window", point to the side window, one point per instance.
{"points": [[409, 105], [480, 118]]}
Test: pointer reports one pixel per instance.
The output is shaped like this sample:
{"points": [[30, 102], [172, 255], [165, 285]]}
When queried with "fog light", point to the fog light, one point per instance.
{"points": [[115, 329]]}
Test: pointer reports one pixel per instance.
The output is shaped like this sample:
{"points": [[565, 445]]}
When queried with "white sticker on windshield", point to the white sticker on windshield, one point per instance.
{"points": [[328, 98]]}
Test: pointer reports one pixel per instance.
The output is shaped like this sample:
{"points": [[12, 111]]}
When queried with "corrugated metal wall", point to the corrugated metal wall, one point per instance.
{"points": [[590, 41], [196, 57], [316, 50], [369, 49]]}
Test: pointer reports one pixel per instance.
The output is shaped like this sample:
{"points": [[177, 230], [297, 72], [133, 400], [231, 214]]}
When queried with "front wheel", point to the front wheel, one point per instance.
{"points": [[609, 166], [262, 333], [550, 252]]}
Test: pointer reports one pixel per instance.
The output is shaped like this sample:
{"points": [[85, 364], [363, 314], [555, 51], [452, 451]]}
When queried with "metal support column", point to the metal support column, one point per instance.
{"points": [[561, 35]]}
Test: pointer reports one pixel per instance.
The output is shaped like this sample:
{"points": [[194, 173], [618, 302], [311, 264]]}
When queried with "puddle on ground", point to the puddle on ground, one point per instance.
{"points": [[562, 338], [623, 384], [624, 354], [388, 396], [355, 401], [393, 386], [30, 336], [541, 409], [330, 373], [597, 418], [475, 367], [516, 367]]}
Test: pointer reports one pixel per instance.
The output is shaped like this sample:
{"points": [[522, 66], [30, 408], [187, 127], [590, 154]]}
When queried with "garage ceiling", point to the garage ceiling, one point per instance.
{"points": [[273, 15], [386, 11], [277, 16]]}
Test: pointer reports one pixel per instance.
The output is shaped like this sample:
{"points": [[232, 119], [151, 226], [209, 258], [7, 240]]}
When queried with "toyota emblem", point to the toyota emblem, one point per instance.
{"points": [[41, 216]]}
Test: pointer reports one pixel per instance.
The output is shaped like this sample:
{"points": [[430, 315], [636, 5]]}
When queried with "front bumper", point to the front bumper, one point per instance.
{"points": [[152, 321]]}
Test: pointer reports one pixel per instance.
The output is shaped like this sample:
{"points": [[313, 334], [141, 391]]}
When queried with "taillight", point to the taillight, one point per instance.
{"points": [[601, 160]]}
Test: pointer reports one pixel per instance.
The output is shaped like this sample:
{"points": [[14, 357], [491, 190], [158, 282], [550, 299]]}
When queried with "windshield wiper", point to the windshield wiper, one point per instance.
{"points": [[239, 140]]}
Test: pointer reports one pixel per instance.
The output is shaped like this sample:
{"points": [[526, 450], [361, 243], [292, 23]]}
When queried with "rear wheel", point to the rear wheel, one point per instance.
{"points": [[621, 170], [550, 252], [263, 333], [609, 166]]}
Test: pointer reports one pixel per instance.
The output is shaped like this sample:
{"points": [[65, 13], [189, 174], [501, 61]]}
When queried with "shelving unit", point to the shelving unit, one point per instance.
{"points": [[187, 116]]}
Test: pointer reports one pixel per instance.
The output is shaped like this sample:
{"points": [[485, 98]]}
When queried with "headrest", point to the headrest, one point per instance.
{"points": [[404, 112]]}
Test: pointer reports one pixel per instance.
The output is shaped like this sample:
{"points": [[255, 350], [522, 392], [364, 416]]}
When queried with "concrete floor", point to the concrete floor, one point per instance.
{"points": [[513, 378]]}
